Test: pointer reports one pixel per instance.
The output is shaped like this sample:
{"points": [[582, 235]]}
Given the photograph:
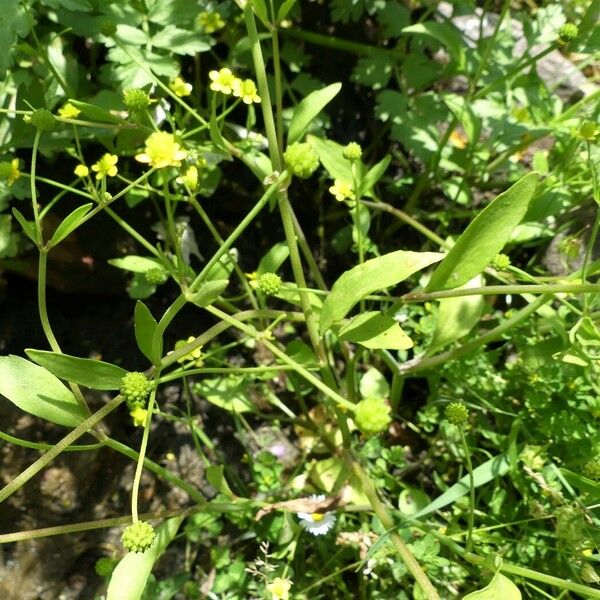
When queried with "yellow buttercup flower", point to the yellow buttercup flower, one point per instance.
{"points": [[279, 588], [189, 178], [162, 151], [210, 21], [180, 87], [81, 171], [106, 166], [222, 81], [341, 190], [9, 171], [246, 90], [68, 111], [139, 416]]}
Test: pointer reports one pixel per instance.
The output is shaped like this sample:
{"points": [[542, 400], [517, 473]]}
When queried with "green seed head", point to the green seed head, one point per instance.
{"points": [[501, 262], [138, 537], [457, 413], [108, 28], [105, 566], [372, 415], [301, 159], [156, 276], [352, 151], [591, 469], [269, 283], [135, 100], [135, 388], [41, 118], [568, 32]]}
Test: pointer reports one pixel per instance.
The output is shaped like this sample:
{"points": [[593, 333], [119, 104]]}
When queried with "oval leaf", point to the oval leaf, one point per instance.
{"points": [[229, 393], [484, 237], [273, 259], [136, 264], [95, 113], [374, 330], [499, 588], [91, 373], [309, 108], [70, 223], [375, 274], [145, 326], [208, 292], [457, 316], [130, 575], [38, 392]]}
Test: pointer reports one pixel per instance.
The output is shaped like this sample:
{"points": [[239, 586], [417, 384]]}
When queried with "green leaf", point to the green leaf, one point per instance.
{"points": [[130, 575], [373, 176], [273, 259], [27, 226], [180, 41], [284, 9], [229, 393], [216, 478], [332, 158], [464, 113], [260, 10], [145, 326], [95, 113], [9, 240], [95, 374], [36, 391], [375, 70], [485, 236], [492, 468], [14, 22], [375, 274], [69, 224], [208, 292], [443, 33], [136, 264], [500, 588], [457, 316], [374, 330], [308, 109]]}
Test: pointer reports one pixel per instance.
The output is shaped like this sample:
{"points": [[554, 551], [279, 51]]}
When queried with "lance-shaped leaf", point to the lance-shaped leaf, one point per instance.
{"points": [[375, 274], [36, 391], [374, 330], [484, 237], [145, 326], [69, 224], [95, 374], [309, 108]]}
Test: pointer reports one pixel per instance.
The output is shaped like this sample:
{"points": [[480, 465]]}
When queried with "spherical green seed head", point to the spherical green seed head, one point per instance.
{"points": [[501, 262], [156, 276], [108, 28], [457, 413], [301, 159], [43, 119], [105, 566], [591, 469], [135, 100], [589, 130], [372, 415], [352, 151], [135, 388], [568, 32], [269, 283], [138, 537]]}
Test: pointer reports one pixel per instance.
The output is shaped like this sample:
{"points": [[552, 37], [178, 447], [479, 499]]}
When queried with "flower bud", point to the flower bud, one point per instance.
{"points": [[352, 151]]}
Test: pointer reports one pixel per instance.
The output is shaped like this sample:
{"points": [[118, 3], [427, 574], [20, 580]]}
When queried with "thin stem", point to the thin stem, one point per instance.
{"points": [[471, 489], [386, 520], [34, 202], [41, 446], [594, 234]]}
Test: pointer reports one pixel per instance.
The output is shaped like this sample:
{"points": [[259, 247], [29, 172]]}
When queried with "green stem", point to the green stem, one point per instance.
{"points": [[594, 234], [386, 520], [471, 489], [34, 202], [41, 446]]}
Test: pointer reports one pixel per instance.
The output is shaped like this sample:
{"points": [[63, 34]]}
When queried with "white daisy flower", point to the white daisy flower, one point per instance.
{"points": [[317, 523]]}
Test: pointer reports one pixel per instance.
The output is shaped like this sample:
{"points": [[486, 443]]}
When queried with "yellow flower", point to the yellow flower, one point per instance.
{"points": [[210, 21], [195, 355], [162, 151], [9, 171], [180, 87], [68, 111], [341, 190], [246, 90], [189, 178], [81, 171], [139, 416], [106, 166], [279, 588], [222, 81]]}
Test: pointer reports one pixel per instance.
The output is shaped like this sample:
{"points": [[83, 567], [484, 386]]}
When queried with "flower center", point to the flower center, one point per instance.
{"points": [[317, 517]]}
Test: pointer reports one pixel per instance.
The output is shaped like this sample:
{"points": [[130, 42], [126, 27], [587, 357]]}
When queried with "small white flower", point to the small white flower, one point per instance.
{"points": [[317, 523]]}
